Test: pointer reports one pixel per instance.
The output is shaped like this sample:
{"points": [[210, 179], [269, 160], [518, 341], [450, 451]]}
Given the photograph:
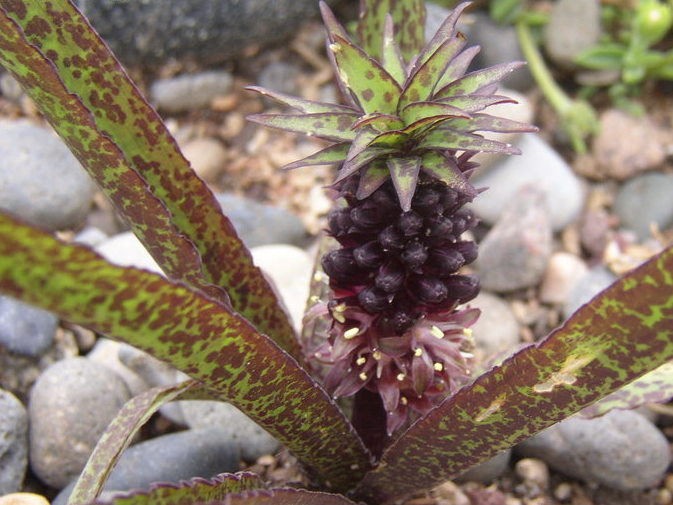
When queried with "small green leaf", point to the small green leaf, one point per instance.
{"points": [[457, 68], [653, 387], [404, 173], [335, 126], [474, 81], [602, 57], [486, 122], [305, 106], [193, 491], [391, 57], [333, 154], [373, 87], [446, 170], [419, 111], [379, 122], [349, 167], [372, 178], [475, 103], [447, 138]]}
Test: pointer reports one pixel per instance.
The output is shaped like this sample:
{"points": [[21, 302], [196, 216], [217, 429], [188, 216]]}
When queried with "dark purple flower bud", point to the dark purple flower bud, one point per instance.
{"points": [[426, 201], [340, 265], [414, 254], [400, 318], [390, 277], [440, 229], [410, 223], [385, 200], [390, 238], [468, 250], [373, 300], [445, 261], [339, 221], [462, 287], [368, 215], [463, 220], [449, 199], [428, 289], [348, 187], [369, 256]]}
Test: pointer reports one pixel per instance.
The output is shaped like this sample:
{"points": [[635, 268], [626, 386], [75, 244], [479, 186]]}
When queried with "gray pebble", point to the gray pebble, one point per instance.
{"points": [[252, 440], [260, 224], [514, 254], [621, 450], [106, 353], [280, 76], [646, 200], [10, 88], [70, 406], [190, 91], [25, 329], [40, 180], [489, 470], [170, 458], [13, 443], [593, 282], [496, 331], [124, 249], [574, 25], [540, 166]]}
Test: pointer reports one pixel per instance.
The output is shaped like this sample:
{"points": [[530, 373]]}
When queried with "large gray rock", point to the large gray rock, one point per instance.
{"points": [[645, 201], [621, 450], [574, 25], [13, 443], [70, 406], [25, 329], [190, 91], [40, 180], [204, 31]]}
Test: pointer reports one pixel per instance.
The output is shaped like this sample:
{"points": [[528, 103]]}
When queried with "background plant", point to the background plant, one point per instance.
{"points": [[215, 317]]}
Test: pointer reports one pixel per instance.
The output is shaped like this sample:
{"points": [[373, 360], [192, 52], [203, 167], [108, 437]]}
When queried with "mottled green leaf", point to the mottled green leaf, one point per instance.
{"points": [[486, 122], [373, 87], [349, 167], [391, 57], [118, 137], [623, 333], [419, 111], [421, 84], [446, 170], [372, 178], [457, 68], [193, 491], [379, 122], [120, 433], [334, 27], [447, 138], [653, 387], [335, 126], [475, 103], [404, 173], [333, 154], [190, 331], [306, 106], [394, 140], [285, 496], [408, 18], [477, 80]]}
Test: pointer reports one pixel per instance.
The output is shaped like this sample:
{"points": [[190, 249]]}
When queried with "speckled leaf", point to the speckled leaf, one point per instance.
{"points": [[418, 111], [335, 126], [391, 57], [457, 68], [404, 173], [624, 332], [379, 122], [421, 84], [447, 138], [333, 154], [334, 27], [372, 178], [196, 490], [486, 122], [446, 170], [190, 331], [408, 18], [118, 137], [363, 137], [306, 106], [373, 87], [285, 496], [477, 80], [119, 434], [475, 103], [653, 387], [365, 157], [394, 139]]}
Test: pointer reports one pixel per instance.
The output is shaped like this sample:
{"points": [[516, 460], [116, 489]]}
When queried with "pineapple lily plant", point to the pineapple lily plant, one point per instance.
{"points": [[398, 334]]}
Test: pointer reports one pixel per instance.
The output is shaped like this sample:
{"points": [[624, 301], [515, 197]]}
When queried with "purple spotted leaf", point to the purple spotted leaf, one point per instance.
{"points": [[88, 98], [362, 159], [408, 17], [475, 103], [193, 491], [373, 176], [334, 126], [478, 80], [404, 173], [187, 329], [391, 57], [305, 106], [333, 154], [486, 122], [446, 170], [379, 122], [653, 387], [457, 68], [284, 496], [120, 433], [622, 334], [392, 139], [419, 111], [373, 88], [448, 138]]}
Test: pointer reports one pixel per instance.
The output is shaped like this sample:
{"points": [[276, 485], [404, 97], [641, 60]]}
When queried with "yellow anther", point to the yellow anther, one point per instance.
{"points": [[377, 355], [363, 376], [418, 352], [436, 332], [318, 277], [438, 367], [401, 376], [467, 332], [314, 299], [361, 361], [403, 400], [351, 333]]}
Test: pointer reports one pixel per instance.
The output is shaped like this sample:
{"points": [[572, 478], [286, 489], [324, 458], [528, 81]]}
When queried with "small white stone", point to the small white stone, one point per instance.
{"points": [[564, 270], [207, 157]]}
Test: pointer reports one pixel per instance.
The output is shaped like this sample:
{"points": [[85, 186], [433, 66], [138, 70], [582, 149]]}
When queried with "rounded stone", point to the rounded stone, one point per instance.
{"points": [[207, 157], [620, 450], [564, 270], [489, 470], [645, 201], [190, 91], [41, 181], [574, 25], [23, 499], [124, 249], [70, 406], [13, 443], [25, 329], [496, 331], [588, 286]]}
